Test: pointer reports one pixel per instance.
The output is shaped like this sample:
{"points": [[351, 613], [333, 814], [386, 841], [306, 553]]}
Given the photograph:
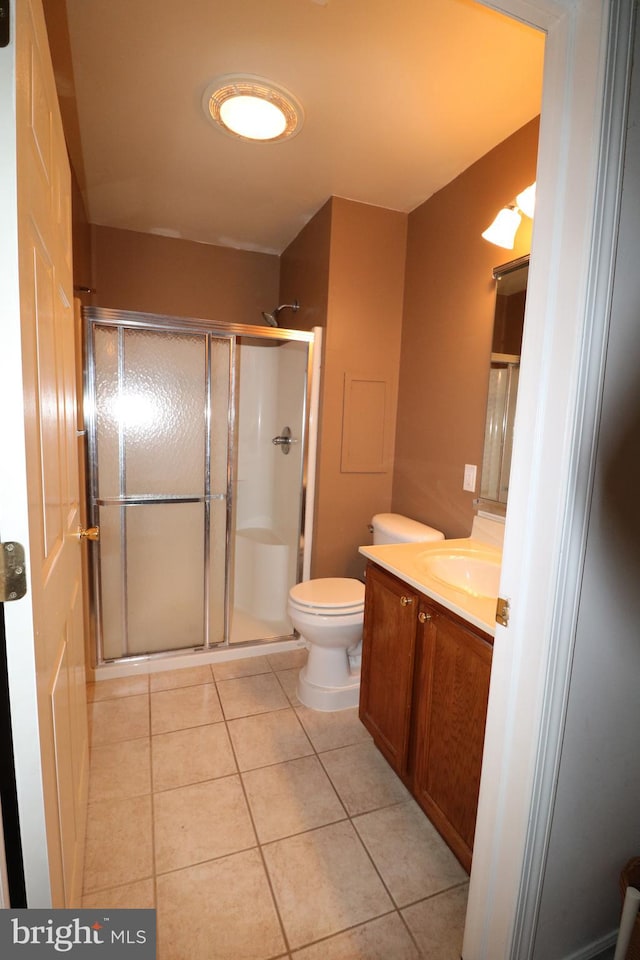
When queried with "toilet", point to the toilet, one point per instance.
{"points": [[328, 614]]}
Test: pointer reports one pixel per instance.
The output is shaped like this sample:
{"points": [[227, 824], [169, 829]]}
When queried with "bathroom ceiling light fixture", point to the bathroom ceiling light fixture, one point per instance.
{"points": [[252, 108], [503, 230]]}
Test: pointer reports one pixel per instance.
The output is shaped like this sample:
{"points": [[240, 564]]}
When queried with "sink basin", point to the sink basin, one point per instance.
{"points": [[475, 575]]}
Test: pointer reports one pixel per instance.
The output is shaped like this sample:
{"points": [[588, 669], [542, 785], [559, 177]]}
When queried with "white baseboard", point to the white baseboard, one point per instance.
{"points": [[602, 949]]}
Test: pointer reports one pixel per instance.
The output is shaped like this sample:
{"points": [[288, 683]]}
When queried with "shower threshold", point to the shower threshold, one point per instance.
{"points": [[179, 659]]}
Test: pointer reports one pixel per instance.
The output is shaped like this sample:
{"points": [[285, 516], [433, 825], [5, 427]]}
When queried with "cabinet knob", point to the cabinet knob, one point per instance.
{"points": [[405, 601], [423, 617]]}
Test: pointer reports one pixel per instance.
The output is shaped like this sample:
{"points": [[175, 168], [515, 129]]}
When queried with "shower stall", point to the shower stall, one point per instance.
{"points": [[199, 457]]}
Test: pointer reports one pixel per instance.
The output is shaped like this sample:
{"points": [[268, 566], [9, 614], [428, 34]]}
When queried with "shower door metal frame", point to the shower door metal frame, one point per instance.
{"points": [[161, 323]]}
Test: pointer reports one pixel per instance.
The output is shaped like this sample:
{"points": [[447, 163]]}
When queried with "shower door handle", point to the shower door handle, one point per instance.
{"points": [[284, 441], [91, 533]]}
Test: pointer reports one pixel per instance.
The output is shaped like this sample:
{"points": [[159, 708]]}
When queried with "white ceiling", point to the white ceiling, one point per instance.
{"points": [[399, 98]]}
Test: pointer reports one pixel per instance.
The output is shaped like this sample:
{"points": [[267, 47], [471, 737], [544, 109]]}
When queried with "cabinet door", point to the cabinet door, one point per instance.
{"points": [[387, 664], [452, 689]]}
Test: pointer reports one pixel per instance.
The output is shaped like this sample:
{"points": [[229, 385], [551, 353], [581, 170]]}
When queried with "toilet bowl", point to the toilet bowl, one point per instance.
{"points": [[328, 615]]}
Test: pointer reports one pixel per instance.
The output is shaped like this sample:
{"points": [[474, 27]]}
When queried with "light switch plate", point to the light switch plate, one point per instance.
{"points": [[470, 471]]}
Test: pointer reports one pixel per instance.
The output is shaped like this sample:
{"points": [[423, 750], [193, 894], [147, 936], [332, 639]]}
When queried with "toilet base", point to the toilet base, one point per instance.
{"points": [[325, 698]]}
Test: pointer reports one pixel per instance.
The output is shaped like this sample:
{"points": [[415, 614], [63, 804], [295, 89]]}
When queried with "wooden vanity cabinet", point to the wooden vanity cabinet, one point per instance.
{"points": [[424, 691], [387, 672], [451, 689]]}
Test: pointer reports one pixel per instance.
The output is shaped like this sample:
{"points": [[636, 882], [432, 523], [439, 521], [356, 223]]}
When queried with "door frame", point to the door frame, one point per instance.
{"points": [[582, 132], [14, 514]]}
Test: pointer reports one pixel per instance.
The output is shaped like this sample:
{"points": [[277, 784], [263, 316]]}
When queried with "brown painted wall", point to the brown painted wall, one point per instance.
{"points": [[304, 276], [357, 282], [81, 238], [304, 273], [140, 271], [447, 331]]}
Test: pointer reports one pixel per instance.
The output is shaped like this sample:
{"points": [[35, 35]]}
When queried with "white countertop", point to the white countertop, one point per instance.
{"points": [[406, 561]]}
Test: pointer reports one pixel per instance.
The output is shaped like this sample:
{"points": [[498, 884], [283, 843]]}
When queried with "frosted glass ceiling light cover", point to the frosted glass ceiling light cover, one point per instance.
{"points": [[502, 231], [252, 108], [527, 200], [253, 117]]}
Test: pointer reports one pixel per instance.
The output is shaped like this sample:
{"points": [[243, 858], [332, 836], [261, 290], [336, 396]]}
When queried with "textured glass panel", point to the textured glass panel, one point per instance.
{"points": [[220, 350], [111, 582], [165, 576], [163, 407], [217, 570], [106, 410], [151, 420]]}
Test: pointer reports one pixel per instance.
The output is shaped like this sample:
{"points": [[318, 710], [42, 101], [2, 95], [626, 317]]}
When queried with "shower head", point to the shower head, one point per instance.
{"points": [[272, 318]]}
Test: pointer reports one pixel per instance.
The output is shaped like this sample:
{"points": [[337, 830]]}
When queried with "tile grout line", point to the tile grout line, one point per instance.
{"points": [[153, 826], [347, 818], [91, 803], [258, 844], [354, 926], [396, 908], [315, 752]]}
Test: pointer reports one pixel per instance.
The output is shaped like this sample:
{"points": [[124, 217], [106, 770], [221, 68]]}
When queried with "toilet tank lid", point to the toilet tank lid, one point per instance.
{"points": [[404, 528], [329, 592]]}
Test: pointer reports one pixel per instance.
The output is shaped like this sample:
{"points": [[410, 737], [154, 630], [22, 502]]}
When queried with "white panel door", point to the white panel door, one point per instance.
{"points": [[39, 495]]}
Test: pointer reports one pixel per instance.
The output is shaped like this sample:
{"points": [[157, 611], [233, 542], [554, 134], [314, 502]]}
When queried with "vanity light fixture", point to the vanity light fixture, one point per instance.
{"points": [[503, 230], [526, 201], [252, 108]]}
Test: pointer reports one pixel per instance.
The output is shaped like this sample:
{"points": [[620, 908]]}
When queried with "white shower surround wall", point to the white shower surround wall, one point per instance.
{"points": [[271, 392]]}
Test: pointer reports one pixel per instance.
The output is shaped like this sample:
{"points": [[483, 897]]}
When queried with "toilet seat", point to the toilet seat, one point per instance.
{"points": [[329, 596]]}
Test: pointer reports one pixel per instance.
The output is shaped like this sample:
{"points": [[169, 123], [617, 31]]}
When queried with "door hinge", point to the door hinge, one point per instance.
{"points": [[13, 573], [502, 612]]}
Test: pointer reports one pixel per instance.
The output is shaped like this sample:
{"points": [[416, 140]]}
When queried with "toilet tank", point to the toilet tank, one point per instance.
{"points": [[394, 528]]}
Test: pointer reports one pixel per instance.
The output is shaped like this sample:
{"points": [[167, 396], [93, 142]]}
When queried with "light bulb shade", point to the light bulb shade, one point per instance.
{"points": [[527, 200], [502, 231], [253, 117], [252, 108]]}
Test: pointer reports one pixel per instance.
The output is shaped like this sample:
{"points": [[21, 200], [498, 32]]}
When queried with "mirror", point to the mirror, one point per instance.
{"points": [[511, 291]]}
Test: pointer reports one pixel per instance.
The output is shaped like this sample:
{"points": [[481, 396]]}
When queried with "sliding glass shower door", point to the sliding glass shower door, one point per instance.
{"points": [[159, 474]]}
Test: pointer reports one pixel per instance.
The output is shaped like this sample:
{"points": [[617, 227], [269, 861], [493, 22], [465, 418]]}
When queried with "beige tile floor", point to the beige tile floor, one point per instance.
{"points": [[257, 828]]}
